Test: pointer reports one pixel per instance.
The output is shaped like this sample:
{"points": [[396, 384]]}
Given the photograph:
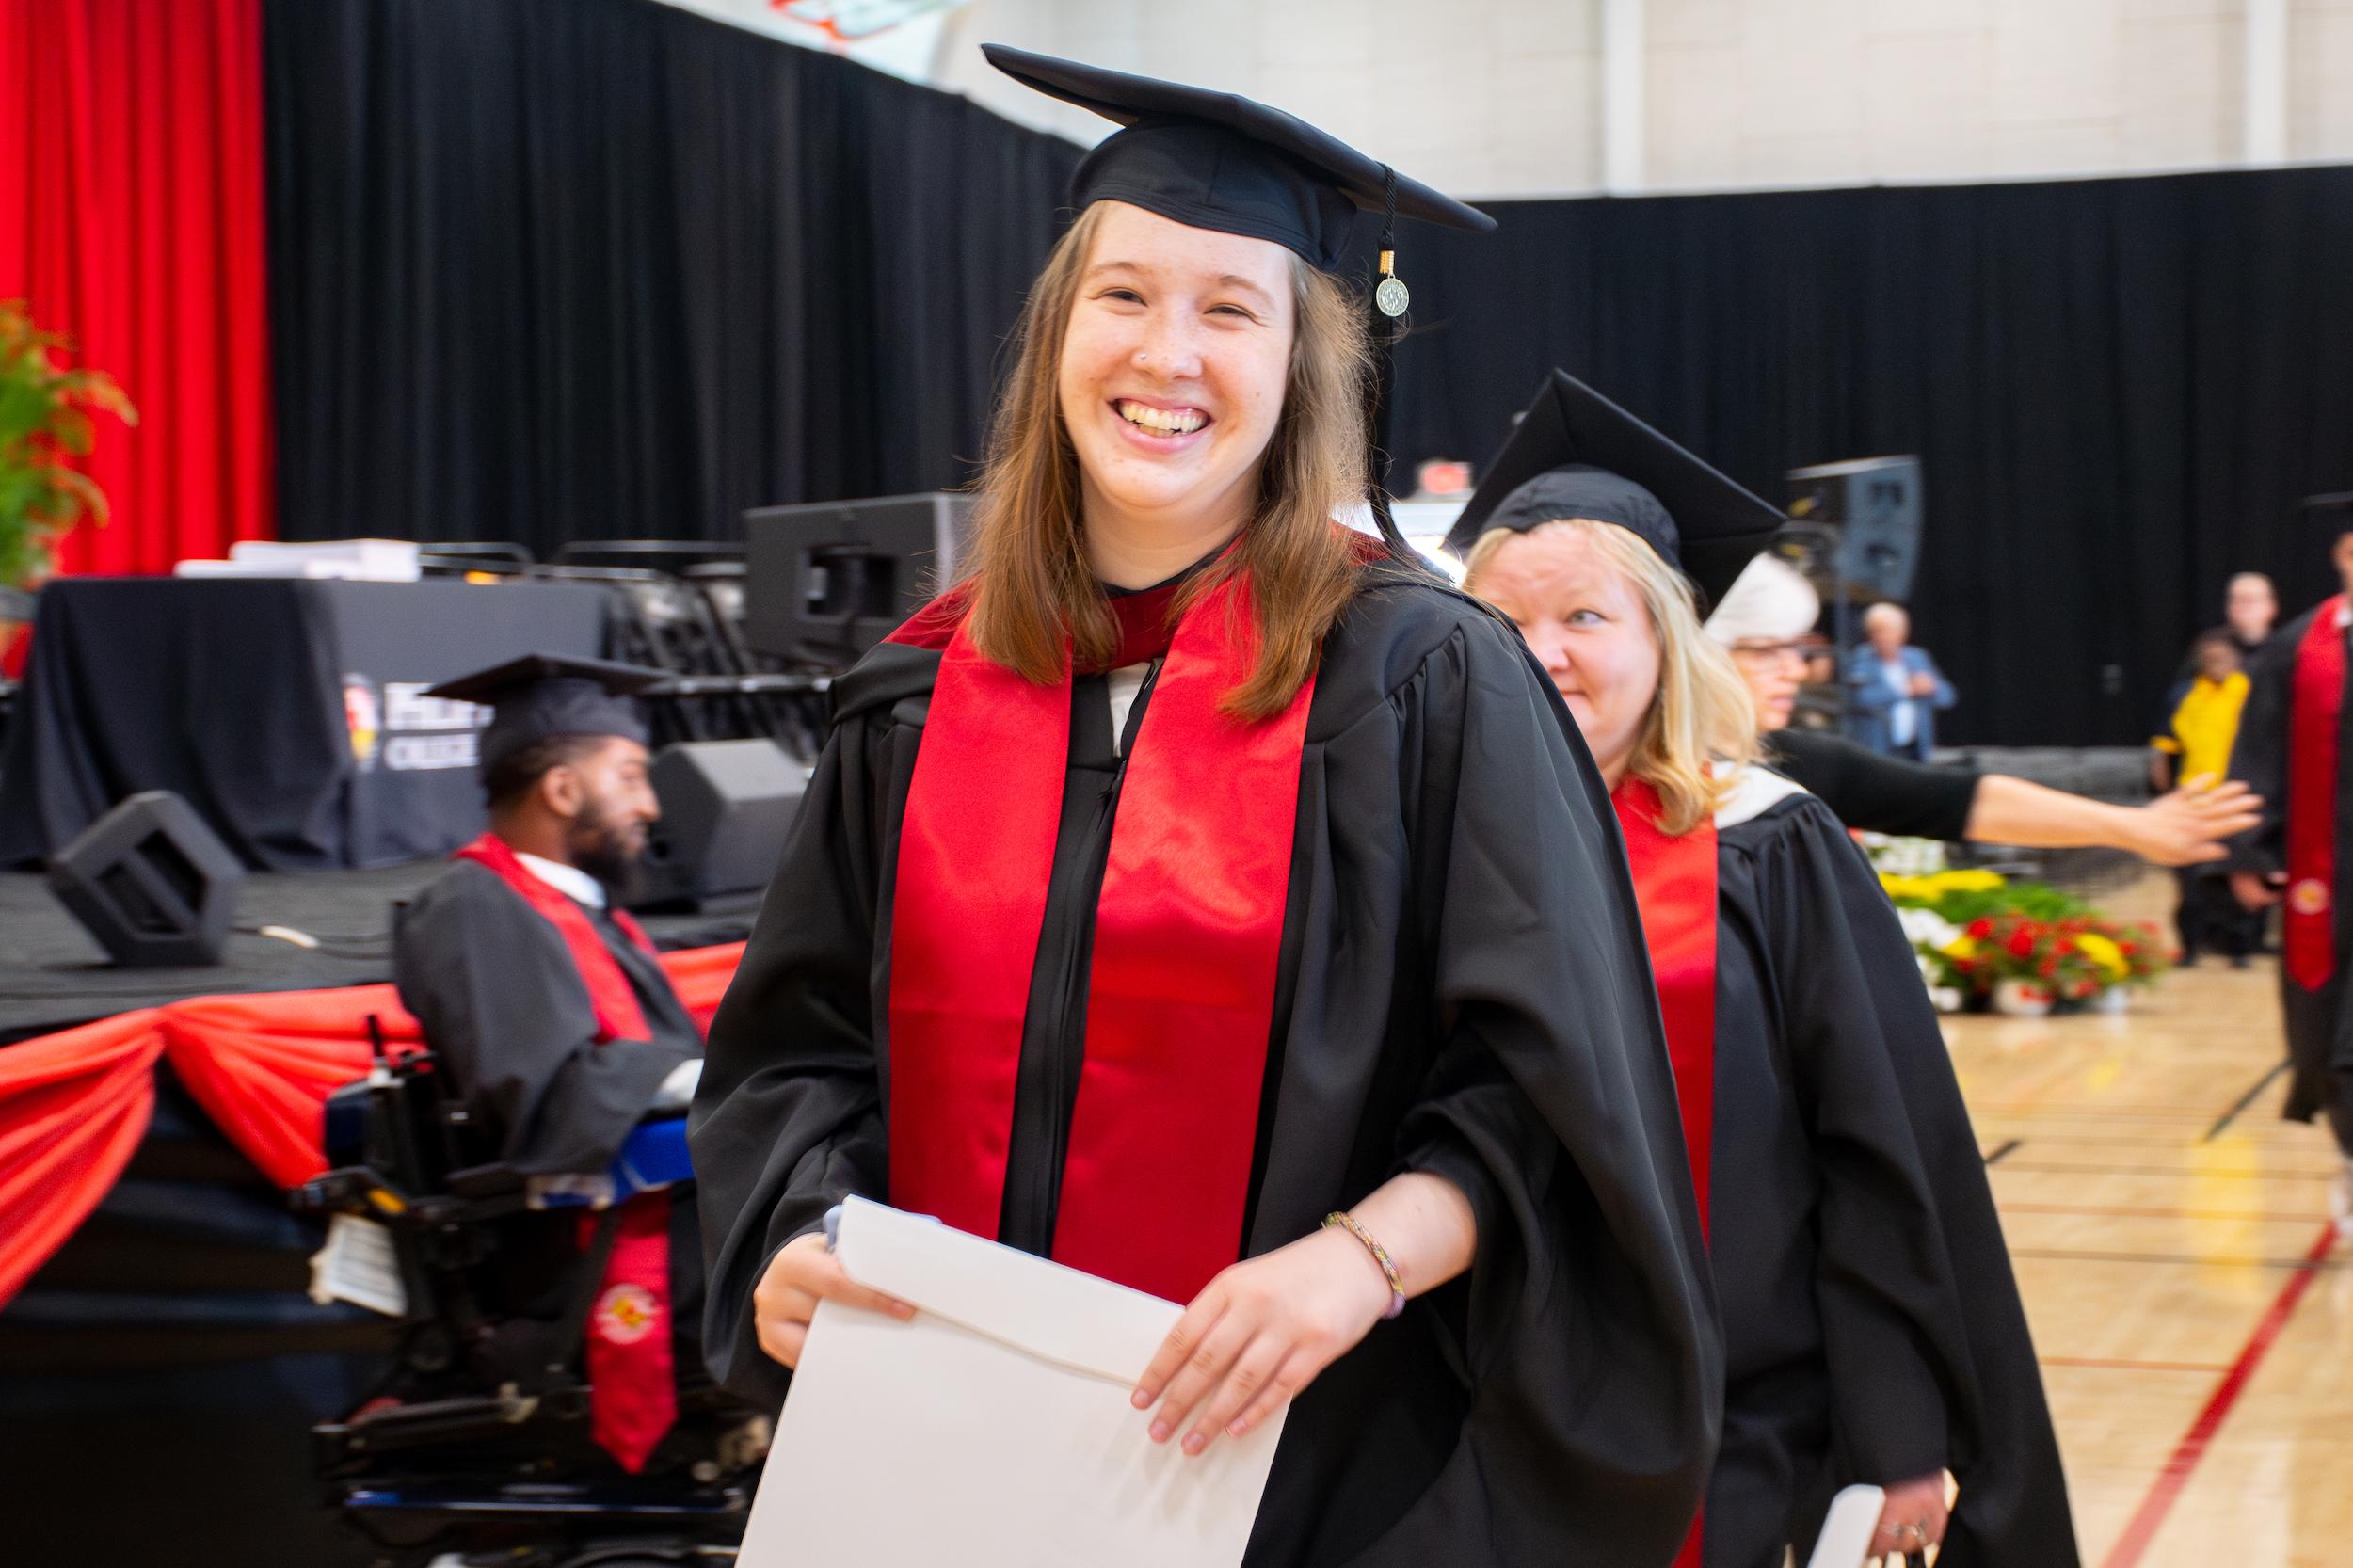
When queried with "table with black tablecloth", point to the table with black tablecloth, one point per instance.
{"points": [[288, 713]]}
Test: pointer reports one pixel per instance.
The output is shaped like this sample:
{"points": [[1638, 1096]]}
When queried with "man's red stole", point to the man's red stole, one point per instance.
{"points": [[632, 1384], [618, 1016], [2317, 699], [1188, 936], [1674, 884]]}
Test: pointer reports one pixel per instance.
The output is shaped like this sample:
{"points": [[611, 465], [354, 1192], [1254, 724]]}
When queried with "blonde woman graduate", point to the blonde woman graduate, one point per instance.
{"points": [[1872, 1329]]}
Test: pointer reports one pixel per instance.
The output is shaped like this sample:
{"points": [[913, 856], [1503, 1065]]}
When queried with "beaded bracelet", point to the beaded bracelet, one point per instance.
{"points": [[1380, 1255]]}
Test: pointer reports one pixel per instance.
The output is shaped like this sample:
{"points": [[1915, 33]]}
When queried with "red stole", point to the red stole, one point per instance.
{"points": [[1187, 941], [618, 1016], [2308, 929], [633, 1386], [1674, 884]]}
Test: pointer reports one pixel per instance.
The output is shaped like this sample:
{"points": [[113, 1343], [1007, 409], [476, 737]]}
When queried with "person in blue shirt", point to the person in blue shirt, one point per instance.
{"points": [[1894, 690]]}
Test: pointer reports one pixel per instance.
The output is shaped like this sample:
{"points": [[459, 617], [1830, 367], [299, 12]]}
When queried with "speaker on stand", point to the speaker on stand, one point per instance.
{"points": [[1856, 528], [726, 807]]}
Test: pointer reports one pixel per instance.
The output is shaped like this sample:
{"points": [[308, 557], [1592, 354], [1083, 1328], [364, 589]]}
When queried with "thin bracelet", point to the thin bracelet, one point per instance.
{"points": [[1380, 1255]]}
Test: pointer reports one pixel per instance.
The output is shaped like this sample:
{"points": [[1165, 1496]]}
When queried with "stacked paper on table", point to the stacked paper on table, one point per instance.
{"points": [[993, 1429]]}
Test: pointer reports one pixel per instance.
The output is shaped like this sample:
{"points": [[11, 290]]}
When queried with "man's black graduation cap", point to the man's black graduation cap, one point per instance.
{"points": [[541, 696], [1215, 160], [1577, 454]]}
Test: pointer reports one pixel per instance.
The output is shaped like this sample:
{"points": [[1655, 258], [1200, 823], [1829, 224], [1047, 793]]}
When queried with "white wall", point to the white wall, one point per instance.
{"points": [[1503, 97]]}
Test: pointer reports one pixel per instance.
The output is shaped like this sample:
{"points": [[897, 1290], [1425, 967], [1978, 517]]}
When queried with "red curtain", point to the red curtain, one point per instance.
{"points": [[73, 1105], [131, 218]]}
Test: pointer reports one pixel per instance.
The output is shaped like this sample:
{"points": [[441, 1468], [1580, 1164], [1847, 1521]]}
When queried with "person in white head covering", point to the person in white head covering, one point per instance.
{"points": [[1763, 618]]}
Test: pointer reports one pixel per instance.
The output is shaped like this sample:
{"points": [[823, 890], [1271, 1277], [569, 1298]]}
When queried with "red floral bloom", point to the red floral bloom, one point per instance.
{"points": [[1981, 927], [2021, 943]]}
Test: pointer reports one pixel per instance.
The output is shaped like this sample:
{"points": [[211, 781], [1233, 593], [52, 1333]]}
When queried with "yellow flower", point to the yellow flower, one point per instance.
{"points": [[1928, 890], [2106, 954], [1962, 946]]}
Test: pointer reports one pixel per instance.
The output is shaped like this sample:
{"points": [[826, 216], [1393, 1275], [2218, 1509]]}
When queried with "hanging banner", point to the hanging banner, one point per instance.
{"points": [[902, 36]]}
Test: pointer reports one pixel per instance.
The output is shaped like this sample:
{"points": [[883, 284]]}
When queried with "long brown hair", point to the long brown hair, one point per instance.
{"points": [[1031, 581]]}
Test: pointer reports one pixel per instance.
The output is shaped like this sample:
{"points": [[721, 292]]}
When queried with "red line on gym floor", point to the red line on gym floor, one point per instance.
{"points": [[2166, 1488]]}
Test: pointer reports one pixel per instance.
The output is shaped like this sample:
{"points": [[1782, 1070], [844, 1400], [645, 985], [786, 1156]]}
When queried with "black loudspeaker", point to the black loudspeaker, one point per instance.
{"points": [[1874, 505], [151, 882], [726, 807], [825, 580]]}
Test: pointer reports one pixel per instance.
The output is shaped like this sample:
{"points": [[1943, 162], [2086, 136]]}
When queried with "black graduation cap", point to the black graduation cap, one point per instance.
{"points": [[1219, 160], [541, 696], [1577, 454], [1216, 160]]}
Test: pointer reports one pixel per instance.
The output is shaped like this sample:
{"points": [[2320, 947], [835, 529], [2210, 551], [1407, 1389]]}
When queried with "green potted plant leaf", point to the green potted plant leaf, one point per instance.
{"points": [[45, 424]]}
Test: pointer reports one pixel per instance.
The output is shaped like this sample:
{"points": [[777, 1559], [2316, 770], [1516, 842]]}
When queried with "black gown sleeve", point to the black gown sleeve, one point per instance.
{"points": [[1874, 793], [1931, 1362], [1590, 1331], [501, 1002], [2259, 753], [787, 1119]]}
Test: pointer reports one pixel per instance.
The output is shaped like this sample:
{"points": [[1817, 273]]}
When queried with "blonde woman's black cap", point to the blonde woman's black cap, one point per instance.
{"points": [[1575, 454]]}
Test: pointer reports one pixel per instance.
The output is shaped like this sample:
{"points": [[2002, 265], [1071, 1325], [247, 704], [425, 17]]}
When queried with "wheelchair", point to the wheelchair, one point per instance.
{"points": [[476, 1449]]}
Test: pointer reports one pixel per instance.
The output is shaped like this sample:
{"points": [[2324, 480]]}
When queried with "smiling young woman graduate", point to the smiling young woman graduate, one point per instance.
{"points": [[1196, 892], [1872, 1331]]}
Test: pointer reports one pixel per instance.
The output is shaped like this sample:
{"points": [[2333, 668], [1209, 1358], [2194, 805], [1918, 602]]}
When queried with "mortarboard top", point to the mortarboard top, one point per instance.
{"points": [[1577, 454], [2330, 516], [541, 696], [1215, 160]]}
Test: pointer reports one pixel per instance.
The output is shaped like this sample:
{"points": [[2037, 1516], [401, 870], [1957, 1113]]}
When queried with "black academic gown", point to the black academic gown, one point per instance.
{"points": [[1872, 1328], [2319, 1031], [1463, 989], [503, 1005], [1874, 792]]}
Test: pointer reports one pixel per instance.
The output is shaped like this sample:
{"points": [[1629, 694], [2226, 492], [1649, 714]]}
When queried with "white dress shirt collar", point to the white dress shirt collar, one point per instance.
{"points": [[570, 881]]}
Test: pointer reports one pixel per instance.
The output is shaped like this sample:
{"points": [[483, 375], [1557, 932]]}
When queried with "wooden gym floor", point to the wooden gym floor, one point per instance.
{"points": [[2171, 1234]]}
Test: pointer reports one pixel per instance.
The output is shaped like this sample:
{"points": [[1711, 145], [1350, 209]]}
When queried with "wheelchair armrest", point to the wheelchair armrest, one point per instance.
{"points": [[653, 1156]]}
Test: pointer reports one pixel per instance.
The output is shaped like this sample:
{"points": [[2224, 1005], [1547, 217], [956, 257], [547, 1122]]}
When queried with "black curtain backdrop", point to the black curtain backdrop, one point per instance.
{"points": [[554, 269], [2118, 387], [562, 269]]}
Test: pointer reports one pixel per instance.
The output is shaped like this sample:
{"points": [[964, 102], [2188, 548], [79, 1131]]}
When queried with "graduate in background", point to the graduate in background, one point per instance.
{"points": [[2289, 750], [1764, 618], [560, 1028], [2195, 751], [1872, 1330], [1199, 894], [546, 1001]]}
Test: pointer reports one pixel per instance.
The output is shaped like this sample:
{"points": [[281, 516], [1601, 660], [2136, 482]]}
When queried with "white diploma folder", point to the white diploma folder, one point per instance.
{"points": [[1847, 1533], [993, 1429]]}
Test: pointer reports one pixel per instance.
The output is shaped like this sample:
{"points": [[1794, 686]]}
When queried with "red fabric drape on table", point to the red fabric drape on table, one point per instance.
{"points": [[131, 218], [73, 1106]]}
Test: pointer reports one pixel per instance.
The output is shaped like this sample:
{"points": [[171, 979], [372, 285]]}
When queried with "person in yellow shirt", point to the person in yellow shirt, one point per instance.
{"points": [[2196, 747]]}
